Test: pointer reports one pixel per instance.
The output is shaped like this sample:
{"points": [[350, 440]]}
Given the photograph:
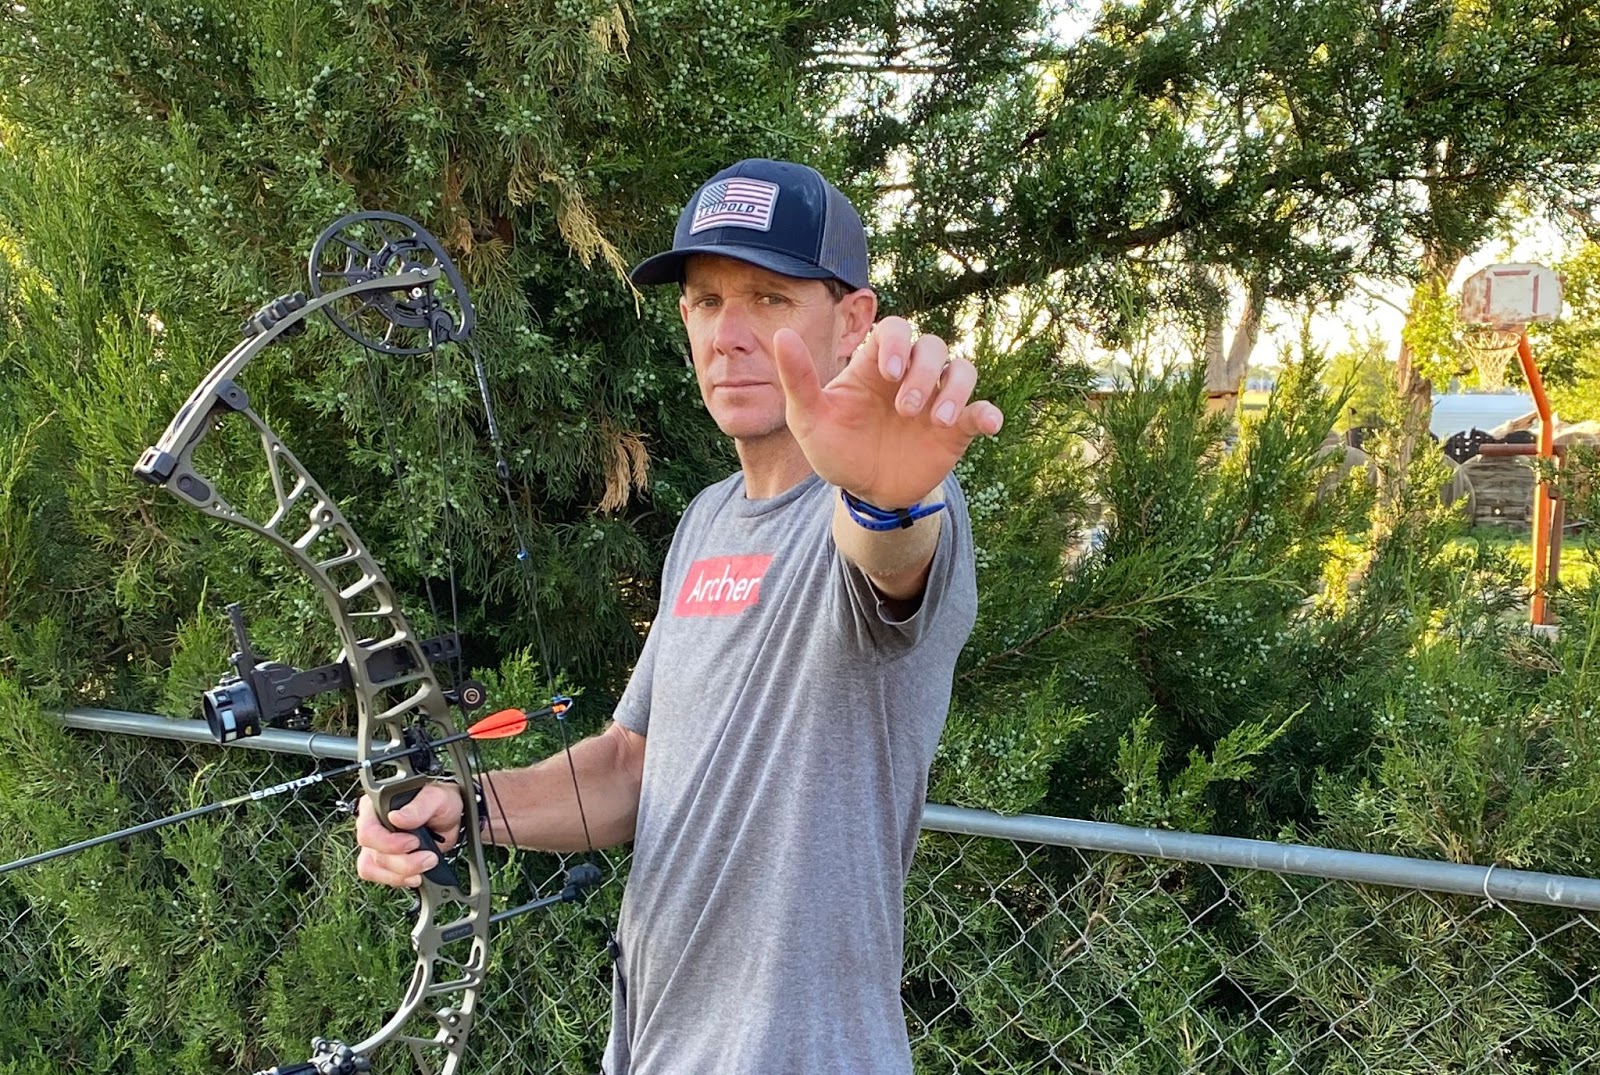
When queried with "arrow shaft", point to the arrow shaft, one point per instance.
{"points": [[223, 804], [123, 834]]}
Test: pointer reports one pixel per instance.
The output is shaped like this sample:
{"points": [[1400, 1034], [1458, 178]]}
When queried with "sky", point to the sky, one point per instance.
{"points": [[1379, 306]]}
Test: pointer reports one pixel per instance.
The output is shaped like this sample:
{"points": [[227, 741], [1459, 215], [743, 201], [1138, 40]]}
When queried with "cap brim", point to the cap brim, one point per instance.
{"points": [[667, 267]]}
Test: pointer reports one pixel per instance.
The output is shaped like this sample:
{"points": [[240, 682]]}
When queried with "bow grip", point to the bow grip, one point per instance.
{"points": [[441, 872]]}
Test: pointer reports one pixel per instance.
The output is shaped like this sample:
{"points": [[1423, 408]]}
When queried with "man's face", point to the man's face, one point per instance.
{"points": [[731, 311]]}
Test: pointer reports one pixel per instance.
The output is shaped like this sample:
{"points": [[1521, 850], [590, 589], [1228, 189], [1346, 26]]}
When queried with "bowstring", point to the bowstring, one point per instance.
{"points": [[447, 517], [528, 574], [474, 751], [526, 571], [502, 470], [447, 526], [456, 661]]}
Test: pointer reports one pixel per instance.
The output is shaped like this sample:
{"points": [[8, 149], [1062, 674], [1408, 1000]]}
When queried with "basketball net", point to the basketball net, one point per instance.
{"points": [[1490, 350]]}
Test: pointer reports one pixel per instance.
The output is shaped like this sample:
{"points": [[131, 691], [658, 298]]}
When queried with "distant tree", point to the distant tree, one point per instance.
{"points": [[1364, 370], [1568, 350], [1189, 157]]}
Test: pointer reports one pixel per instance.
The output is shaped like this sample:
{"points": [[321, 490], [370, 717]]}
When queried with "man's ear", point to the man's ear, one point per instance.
{"points": [[859, 312]]}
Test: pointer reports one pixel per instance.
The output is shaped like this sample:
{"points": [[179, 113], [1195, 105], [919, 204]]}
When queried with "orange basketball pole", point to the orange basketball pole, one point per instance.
{"points": [[1544, 500]]}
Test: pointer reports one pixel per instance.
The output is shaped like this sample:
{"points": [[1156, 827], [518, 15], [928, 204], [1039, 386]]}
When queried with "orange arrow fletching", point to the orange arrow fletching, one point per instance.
{"points": [[501, 725]]}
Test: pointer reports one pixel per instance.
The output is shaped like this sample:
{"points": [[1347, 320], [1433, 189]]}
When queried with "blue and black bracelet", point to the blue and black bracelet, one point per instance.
{"points": [[873, 517]]}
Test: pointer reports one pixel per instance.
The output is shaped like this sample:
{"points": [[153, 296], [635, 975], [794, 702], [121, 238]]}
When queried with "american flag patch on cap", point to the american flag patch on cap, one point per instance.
{"points": [[738, 203]]}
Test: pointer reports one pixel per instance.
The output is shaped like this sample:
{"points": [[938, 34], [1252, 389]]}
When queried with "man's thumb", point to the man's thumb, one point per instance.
{"points": [[796, 372]]}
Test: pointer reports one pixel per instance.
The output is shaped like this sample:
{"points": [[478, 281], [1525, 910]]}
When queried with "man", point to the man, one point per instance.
{"points": [[769, 758]]}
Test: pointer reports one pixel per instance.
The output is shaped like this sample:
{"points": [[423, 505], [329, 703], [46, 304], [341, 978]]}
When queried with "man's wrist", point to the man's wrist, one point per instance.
{"points": [[870, 516]]}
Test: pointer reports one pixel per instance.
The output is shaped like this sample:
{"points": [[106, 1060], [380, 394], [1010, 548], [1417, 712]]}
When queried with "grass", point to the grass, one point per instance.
{"points": [[1580, 559]]}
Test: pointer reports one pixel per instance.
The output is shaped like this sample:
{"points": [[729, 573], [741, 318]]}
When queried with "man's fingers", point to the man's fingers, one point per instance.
{"points": [[372, 833], [394, 857], [797, 374], [955, 388], [436, 808], [888, 346], [397, 871], [928, 358], [980, 419], [416, 813]]}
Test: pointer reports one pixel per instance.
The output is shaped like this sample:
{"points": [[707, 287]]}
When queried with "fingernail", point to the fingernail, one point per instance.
{"points": [[912, 402], [946, 413], [897, 366]]}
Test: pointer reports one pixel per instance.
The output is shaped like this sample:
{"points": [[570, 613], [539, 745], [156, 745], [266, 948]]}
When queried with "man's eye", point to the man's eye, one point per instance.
{"points": [[707, 302], [774, 300]]}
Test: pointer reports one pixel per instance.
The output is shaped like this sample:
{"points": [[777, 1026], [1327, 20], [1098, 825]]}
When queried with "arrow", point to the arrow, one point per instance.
{"points": [[501, 725]]}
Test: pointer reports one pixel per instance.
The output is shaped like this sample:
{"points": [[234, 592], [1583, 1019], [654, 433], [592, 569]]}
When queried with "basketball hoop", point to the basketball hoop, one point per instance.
{"points": [[1499, 302], [1491, 351], [1496, 305]]}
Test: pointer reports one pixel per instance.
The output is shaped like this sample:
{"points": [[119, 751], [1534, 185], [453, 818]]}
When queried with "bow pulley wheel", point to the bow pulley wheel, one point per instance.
{"points": [[407, 320]]}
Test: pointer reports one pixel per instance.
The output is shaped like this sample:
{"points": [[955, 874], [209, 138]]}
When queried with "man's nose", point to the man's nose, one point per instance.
{"points": [[735, 330]]}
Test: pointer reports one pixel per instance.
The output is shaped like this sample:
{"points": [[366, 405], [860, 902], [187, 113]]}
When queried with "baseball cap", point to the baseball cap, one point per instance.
{"points": [[781, 216]]}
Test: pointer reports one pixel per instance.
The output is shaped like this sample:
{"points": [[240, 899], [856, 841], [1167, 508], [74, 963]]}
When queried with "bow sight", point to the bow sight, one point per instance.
{"points": [[273, 694]]}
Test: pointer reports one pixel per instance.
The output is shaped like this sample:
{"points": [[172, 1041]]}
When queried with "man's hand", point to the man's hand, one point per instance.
{"points": [[394, 858], [894, 423]]}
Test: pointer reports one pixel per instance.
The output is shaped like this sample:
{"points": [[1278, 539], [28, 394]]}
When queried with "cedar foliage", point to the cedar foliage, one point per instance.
{"points": [[1222, 656]]}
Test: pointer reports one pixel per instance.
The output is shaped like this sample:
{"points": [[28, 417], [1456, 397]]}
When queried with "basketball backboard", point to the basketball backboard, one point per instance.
{"points": [[1509, 296]]}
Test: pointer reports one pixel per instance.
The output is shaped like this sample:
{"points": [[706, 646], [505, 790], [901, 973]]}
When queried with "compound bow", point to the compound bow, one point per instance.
{"points": [[369, 271]]}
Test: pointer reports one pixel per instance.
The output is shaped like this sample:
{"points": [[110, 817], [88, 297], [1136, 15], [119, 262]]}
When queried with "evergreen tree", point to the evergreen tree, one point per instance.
{"points": [[1180, 625]]}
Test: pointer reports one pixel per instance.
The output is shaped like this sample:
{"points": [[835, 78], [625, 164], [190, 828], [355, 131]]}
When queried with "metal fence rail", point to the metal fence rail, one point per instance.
{"points": [[1039, 944]]}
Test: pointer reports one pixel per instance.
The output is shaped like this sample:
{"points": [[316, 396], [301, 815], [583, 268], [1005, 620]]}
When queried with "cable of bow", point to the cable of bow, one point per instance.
{"points": [[586, 874], [344, 240]]}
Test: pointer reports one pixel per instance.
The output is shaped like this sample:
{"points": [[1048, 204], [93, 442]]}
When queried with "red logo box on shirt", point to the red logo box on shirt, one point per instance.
{"points": [[722, 586]]}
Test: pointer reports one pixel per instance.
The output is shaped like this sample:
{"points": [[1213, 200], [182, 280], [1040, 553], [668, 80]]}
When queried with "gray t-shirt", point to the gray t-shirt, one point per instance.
{"points": [[791, 723]]}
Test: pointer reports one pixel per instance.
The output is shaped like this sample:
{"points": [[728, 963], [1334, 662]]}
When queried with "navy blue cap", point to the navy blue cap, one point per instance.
{"points": [[781, 216]]}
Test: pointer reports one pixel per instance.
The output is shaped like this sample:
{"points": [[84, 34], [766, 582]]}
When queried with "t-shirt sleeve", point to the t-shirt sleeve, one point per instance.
{"points": [[633, 711], [949, 601]]}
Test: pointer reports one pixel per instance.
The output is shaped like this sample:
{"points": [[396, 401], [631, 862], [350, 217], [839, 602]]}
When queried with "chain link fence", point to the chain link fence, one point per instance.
{"points": [[1033, 945]]}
